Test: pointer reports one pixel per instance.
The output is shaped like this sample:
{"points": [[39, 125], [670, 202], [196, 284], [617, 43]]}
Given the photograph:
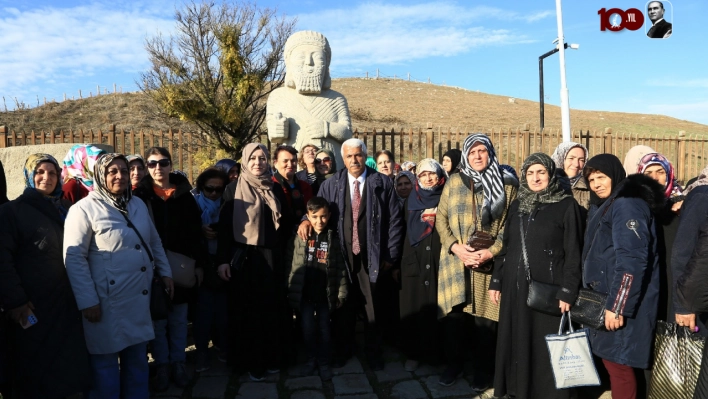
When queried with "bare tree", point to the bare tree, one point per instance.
{"points": [[219, 67]]}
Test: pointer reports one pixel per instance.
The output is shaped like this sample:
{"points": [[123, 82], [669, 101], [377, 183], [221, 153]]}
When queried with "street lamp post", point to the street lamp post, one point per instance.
{"points": [[540, 77]]}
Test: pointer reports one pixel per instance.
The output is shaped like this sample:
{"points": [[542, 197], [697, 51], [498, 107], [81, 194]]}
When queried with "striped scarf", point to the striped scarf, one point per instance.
{"points": [[491, 180]]}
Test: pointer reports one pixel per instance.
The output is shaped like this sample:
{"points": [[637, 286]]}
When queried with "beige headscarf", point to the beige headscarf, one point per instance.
{"points": [[634, 155], [252, 192]]}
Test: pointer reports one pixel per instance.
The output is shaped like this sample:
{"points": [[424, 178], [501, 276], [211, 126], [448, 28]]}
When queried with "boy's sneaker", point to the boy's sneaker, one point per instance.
{"points": [[273, 370], [450, 375], [179, 374], [256, 377], [203, 363], [162, 378]]}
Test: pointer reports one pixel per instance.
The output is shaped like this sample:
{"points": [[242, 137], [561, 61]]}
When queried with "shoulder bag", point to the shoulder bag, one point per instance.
{"points": [[479, 239], [160, 302], [183, 273], [542, 296]]}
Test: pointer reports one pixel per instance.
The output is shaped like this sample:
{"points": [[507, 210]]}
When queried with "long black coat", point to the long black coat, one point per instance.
{"points": [[418, 296], [178, 221], [50, 358], [553, 246]]}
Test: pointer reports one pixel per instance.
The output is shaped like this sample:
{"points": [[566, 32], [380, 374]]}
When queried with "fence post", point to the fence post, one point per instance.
{"points": [[112, 136], [3, 136], [682, 156], [526, 142], [429, 144], [607, 142]]}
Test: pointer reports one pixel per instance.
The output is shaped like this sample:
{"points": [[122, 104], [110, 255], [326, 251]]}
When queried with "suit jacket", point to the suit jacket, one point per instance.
{"points": [[384, 221], [658, 30]]}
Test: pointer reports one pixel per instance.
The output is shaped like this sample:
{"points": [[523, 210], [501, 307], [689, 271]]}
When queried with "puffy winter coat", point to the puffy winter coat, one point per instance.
{"points": [[620, 259], [296, 265]]}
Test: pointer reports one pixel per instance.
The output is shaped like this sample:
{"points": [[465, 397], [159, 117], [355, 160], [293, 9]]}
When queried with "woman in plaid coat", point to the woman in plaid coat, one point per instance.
{"points": [[462, 292]]}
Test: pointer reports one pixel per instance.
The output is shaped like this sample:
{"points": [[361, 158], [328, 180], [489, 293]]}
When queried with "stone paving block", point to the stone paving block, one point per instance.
{"points": [[364, 396], [353, 366], [307, 395], [392, 371], [461, 387], [312, 382], [425, 370], [351, 383], [217, 369], [257, 390], [210, 387], [409, 390]]}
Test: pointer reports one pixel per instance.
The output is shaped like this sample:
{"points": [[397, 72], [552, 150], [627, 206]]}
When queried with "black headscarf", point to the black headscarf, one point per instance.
{"points": [[3, 185], [554, 192], [611, 166], [455, 156], [423, 203]]}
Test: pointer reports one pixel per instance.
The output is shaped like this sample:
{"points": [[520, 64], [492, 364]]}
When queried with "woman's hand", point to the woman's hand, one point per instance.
{"points": [[463, 253], [21, 313], [613, 321], [224, 271], [208, 232], [480, 256], [169, 286], [686, 320], [676, 207], [92, 314], [564, 306], [494, 296]]}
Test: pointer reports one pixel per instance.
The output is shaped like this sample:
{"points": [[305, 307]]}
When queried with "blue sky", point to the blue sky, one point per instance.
{"points": [[54, 47]]}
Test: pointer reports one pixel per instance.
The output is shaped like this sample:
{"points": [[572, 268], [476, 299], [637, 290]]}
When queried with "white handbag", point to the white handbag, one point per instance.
{"points": [[571, 358]]}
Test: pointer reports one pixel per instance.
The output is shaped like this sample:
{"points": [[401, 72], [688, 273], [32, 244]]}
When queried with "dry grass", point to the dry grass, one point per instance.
{"points": [[382, 103]]}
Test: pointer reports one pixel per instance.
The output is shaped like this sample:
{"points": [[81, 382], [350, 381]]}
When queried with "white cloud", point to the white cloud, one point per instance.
{"points": [[55, 44], [394, 34]]}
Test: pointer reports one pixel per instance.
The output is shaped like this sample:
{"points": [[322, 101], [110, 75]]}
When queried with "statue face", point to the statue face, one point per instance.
{"points": [[307, 65]]}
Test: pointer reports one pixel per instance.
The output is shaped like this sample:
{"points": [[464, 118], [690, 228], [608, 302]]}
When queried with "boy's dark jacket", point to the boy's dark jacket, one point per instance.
{"points": [[296, 266]]}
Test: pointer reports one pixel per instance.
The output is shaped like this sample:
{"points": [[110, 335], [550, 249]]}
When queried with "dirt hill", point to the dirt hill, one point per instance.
{"points": [[382, 103]]}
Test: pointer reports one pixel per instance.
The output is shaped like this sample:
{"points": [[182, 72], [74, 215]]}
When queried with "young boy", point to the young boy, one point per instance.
{"points": [[317, 284]]}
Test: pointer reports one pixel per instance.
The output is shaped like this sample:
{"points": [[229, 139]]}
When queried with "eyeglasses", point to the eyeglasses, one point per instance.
{"points": [[325, 159], [113, 172], [164, 162], [211, 189]]}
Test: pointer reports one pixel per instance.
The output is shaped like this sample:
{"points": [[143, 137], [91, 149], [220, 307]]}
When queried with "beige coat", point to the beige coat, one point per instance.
{"points": [[454, 223]]}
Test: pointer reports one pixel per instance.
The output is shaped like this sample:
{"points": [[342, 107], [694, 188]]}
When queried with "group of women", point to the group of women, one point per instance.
{"points": [[79, 254]]}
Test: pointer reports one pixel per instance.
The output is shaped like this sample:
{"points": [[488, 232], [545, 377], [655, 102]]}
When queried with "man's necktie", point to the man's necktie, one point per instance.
{"points": [[356, 201]]}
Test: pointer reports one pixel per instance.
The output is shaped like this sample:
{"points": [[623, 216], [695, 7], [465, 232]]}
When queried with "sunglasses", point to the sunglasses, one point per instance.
{"points": [[162, 162], [326, 159], [211, 189]]}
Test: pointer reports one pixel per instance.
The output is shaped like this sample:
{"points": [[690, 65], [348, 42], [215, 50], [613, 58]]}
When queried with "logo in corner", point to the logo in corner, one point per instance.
{"points": [[616, 19]]}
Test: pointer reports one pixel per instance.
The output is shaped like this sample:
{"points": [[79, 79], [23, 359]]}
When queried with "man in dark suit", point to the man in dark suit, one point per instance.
{"points": [[660, 28], [366, 212]]}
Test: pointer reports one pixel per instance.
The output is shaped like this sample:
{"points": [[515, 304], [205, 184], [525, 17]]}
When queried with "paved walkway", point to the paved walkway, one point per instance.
{"points": [[353, 381]]}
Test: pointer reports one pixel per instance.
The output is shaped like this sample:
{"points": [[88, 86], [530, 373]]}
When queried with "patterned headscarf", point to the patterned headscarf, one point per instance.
{"points": [[79, 164], [423, 203], [702, 180], [29, 172], [561, 153], [119, 202], [671, 189], [491, 180], [554, 192], [408, 166]]}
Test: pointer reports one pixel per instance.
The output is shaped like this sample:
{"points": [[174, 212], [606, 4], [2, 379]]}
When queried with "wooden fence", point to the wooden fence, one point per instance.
{"points": [[688, 153]]}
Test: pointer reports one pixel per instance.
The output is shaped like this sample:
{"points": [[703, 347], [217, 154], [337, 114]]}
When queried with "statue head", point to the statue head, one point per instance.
{"points": [[307, 57]]}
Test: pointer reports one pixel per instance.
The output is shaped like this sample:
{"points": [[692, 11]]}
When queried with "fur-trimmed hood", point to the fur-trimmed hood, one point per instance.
{"points": [[644, 187]]}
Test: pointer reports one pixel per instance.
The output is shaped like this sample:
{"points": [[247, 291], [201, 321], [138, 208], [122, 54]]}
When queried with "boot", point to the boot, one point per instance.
{"points": [[162, 378]]}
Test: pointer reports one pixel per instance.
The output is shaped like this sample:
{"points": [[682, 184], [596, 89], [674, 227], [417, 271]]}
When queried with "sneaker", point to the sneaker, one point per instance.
{"points": [[274, 371], [481, 381], [338, 362], [411, 365], [450, 375], [308, 368], [179, 374], [162, 378], [256, 377], [203, 363], [325, 373]]}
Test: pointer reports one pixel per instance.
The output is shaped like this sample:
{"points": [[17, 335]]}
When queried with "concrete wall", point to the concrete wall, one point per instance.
{"points": [[13, 160]]}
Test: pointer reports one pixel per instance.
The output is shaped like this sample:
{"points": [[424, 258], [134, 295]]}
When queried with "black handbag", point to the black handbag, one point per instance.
{"points": [[542, 296], [160, 301], [589, 308]]}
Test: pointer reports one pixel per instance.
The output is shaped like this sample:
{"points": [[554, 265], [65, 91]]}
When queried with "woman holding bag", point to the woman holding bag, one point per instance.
{"points": [[620, 259], [178, 221], [111, 274], [545, 222]]}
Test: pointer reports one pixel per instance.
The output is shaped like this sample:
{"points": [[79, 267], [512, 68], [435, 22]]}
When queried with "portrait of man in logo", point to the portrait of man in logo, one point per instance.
{"points": [[660, 28]]}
